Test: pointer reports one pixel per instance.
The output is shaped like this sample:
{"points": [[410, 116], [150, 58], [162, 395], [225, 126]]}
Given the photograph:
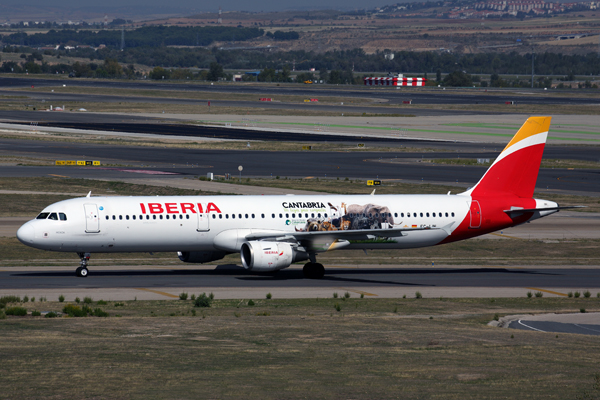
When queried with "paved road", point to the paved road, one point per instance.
{"points": [[367, 165], [393, 96], [556, 327], [230, 276]]}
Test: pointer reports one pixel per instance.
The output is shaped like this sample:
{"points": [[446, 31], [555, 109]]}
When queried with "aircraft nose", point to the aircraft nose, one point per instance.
{"points": [[26, 234]]}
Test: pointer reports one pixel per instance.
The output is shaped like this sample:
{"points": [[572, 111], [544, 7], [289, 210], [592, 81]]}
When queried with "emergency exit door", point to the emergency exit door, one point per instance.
{"points": [[475, 212]]}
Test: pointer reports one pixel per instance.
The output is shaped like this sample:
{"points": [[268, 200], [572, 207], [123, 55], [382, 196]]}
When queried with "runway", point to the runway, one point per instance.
{"points": [[170, 163], [427, 95]]}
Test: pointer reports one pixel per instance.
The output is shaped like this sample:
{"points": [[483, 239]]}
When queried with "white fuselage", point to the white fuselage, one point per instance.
{"points": [[208, 223]]}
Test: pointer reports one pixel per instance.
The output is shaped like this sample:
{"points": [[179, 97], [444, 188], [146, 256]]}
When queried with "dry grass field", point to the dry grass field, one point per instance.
{"points": [[295, 349]]}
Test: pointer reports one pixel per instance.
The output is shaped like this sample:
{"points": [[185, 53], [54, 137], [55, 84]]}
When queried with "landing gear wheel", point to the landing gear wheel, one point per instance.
{"points": [[313, 270], [82, 270]]}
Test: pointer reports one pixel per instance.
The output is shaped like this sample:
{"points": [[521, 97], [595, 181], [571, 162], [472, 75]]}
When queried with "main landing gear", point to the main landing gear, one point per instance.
{"points": [[82, 270], [313, 270]]}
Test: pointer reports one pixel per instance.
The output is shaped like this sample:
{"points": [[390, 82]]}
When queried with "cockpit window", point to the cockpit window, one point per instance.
{"points": [[62, 216], [42, 216], [53, 216]]}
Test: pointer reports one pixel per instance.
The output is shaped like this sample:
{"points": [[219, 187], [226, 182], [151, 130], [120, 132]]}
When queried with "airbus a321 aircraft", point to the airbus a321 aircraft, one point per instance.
{"points": [[272, 232]]}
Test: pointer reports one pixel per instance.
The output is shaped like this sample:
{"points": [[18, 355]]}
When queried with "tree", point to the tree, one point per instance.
{"points": [[113, 68], [159, 73], [458, 78], [438, 75], [215, 72]]}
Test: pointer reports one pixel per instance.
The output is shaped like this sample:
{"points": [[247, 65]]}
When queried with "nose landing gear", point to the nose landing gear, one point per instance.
{"points": [[82, 270]]}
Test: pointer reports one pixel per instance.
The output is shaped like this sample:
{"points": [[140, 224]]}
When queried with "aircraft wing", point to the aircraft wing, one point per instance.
{"points": [[357, 234]]}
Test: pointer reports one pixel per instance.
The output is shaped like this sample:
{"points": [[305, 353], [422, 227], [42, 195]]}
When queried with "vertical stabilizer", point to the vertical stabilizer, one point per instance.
{"points": [[515, 171]]}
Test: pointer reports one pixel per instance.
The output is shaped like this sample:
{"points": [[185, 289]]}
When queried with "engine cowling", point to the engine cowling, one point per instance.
{"points": [[200, 257], [262, 256]]}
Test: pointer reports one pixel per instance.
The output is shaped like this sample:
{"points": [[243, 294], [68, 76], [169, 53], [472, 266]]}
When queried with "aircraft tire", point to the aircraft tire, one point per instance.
{"points": [[78, 272], [313, 270], [84, 272]]}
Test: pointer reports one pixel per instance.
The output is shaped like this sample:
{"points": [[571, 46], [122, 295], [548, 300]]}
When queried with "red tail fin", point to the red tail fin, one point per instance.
{"points": [[516, 169]]}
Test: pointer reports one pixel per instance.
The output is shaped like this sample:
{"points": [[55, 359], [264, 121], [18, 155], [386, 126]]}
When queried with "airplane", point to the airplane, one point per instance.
{"points": [[272, 232]]}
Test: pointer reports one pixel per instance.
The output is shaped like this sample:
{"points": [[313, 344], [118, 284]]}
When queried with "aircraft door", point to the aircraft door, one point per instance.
{"points": [[475, 212], [92, 222], [203, 225]]}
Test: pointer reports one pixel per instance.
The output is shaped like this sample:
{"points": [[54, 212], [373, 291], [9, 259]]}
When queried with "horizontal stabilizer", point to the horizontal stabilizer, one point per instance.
{"points": [[519, 211]]}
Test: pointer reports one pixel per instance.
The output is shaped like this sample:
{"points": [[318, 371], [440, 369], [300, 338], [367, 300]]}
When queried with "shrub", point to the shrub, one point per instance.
{"points": [[42, 298], [404, 296], [395, 309], [119, 305], [347, 295], [101, 303], [539, 294], [51, 314], [193, 297], [362, 295], [529, 295], [61, 298], [335, 295], [35, 313], [4, 300], [193, 312], [496, 317], [570, 294], [418, 295], [87, 300], [25, 299], [582, 310], [263, 314], [598, 295], [577, 294], [203, 301], [337, 307], [183, 296], [2, 314], [250, 302], [211, 296], [77, 300], [587, 294], [32, 300], [237, 314], [17, 311], [99, 313], [75, 311], [269, 296]]}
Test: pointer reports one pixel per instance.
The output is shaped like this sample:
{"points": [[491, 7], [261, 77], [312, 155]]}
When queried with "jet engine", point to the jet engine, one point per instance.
{"points": [[200, 256], [262, 256]]}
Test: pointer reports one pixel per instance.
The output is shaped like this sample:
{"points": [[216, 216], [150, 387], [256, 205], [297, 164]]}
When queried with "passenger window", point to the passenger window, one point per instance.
{"points": [[42, 216], [272, 215], [433, 215], [227, 216], [427, 215], [306, 215], [220, 216], [114, 217], [325, 215], [246, 216], [293, 215], [421, 214], [214, 216], [446, 214], [240, 216], [120, 217], [311, 215], [147, 217], [107, 217], [167, 216], [287, 215], [161, 217], [127, 217], [402, 215], [453, 214], [133, 216], [187, 217], [280, 215], [233, 216], [253, 215], [262, 215], [408, 214], [319, 215]]}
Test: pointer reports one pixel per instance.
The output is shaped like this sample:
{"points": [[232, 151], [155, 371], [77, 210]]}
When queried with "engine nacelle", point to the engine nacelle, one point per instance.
{"points": [[262, 256], [200, 257]]}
